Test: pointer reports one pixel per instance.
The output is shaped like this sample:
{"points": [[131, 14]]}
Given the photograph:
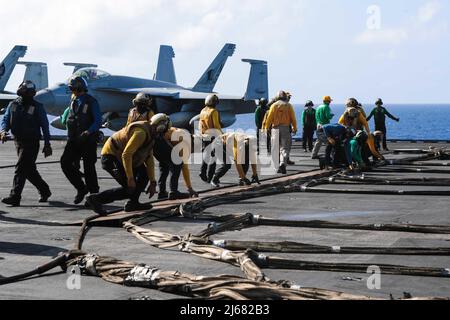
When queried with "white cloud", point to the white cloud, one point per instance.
{"points": [[428, 11], [416, 28], [382, 36]]}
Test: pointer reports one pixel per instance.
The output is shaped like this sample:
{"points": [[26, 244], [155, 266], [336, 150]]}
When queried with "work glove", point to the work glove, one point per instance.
{"points": [[3, 137], [151, 191], [255, 179], [47, 151], [192, 193]]}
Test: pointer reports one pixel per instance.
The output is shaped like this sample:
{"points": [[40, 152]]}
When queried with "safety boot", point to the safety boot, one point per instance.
{"points": [[44, 197], [95, 205], [215, 183], [176, 195], [80, 196], [163, 195], [12, 201], [132, 206]]}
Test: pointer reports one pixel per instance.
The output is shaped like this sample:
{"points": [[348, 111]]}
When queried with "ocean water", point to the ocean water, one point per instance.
{"points": [[424, 121]]}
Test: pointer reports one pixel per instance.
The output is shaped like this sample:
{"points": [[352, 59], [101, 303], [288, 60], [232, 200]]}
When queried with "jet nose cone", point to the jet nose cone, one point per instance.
{"points": [[47, 98]]}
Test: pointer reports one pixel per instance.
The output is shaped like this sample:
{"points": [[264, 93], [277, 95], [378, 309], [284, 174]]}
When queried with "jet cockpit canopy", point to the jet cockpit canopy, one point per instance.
{"points": [[90, 74]]}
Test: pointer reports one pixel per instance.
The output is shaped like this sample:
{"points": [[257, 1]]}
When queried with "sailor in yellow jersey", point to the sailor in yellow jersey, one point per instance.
{"points": [[282, 117], [360, 123], [128, 157], [174, 164], [240, 149], [210, 127], [143, 109]]}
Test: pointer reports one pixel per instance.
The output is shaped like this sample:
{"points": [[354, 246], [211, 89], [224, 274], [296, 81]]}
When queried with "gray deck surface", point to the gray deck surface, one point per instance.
{"points": [[30, 235]]}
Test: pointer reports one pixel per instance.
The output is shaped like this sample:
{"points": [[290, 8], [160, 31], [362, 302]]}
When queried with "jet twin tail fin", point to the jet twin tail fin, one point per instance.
{"points": [[258, 83], [166, 69], [209, 79], [36, 72], [7, 66]]}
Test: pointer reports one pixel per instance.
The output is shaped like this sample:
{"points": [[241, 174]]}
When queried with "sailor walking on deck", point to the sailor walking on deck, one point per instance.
{"points": [[379, 114], [323, 117], [282, 117], [309, 126], [260, 115], [83, 121], [210, 128], [26, 118]]}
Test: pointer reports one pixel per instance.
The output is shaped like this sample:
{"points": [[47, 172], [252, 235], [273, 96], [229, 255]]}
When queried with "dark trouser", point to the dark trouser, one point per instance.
{"points": [[163, 153], [208, 169], [383, 129], [308, 138], [226, 166], [70, 160], [336, 155], [269, 140], [115, 168], [26, 169]]}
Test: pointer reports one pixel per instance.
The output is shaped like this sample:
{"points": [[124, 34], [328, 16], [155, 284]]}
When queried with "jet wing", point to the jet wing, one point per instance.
{"points": [[172, 93]]}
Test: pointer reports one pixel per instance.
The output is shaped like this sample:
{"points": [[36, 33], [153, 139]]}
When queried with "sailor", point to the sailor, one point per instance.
{"points": [[282, 117], [26, 118], [379, 114], [260, 115], [83, 123], [143, 109], [128, 157], [168, 165], [358, 147], [309, 126], [323, 117], [359, 123], [338, 152], [210, 127], [240, 149]]}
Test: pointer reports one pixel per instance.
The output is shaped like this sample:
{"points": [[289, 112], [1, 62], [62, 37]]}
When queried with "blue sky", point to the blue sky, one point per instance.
{"points": [[314, 48]]}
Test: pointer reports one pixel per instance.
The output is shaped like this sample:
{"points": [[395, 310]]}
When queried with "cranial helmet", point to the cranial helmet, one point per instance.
{"points": [[352, 103], [212, 100], [78, 84], [162, 123], [142, 99], [26, 89], [283, 96], [263, 102], [309, 103]]}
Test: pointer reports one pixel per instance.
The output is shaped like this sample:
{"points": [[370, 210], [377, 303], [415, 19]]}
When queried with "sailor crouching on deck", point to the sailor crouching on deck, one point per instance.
{"points": [[83, 120], [25, 118], [168, 164], [128, 157], [240, 149]]}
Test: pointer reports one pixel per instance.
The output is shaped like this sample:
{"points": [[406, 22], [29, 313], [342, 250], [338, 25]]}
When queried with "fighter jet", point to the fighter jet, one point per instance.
{"points": [[115, 93], [35, 71]]}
